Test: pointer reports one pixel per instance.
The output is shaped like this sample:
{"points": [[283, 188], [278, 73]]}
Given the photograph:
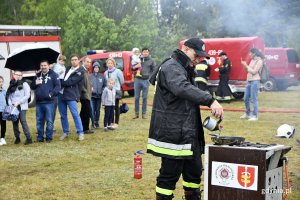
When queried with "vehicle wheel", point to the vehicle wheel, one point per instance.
{"points": [[131, 93], [238, 95], [270, 85]]}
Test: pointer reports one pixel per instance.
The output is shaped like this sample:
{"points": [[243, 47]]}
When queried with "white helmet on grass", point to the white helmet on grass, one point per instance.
{"points": [[286, 131]]}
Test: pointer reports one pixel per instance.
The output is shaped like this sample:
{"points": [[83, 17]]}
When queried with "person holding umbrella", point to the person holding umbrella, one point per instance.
{"points": [[18, 94], [47, 86]]}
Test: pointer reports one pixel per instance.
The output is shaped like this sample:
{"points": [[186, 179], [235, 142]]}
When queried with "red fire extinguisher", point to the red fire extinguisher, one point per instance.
{"points": [[137, 161]]}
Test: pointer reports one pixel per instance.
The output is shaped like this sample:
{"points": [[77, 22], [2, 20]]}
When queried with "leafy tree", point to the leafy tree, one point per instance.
{"points": [[139, 29], [9, 11], [44, 12], [87, 28], [117, 9], [157, 24]]}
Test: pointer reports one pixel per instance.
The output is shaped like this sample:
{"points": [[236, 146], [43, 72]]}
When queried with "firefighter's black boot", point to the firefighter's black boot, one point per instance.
{"points": [[192, 195], [164, 197]]}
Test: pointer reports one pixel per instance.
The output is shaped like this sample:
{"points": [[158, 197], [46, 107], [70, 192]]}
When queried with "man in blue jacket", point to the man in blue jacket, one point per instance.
{"points": [[71, 91], [46, 85]]}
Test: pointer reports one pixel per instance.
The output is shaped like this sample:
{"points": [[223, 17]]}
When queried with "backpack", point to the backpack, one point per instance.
{"points": [[264, 73]]}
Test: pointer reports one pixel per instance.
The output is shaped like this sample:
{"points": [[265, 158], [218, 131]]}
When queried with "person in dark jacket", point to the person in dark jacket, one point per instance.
{"points": [[223, 91], [98, 85], [85, 98], [202, 74], [176, 132], [141, 83], [71, 92], [47, 86]]}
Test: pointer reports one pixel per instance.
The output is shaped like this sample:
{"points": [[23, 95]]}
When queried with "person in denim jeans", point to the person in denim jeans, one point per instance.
{"points": [[253, 84], [18, 94], [141, 83], [71, 91], [46, 85]]}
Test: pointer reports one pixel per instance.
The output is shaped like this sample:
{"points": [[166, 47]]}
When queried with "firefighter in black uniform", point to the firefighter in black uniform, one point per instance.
{"points": [[223, 91], [202, 74], [176, 132]]}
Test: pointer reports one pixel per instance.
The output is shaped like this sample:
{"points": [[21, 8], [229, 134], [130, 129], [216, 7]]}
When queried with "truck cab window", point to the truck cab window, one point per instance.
{"points": [[292, 56]]}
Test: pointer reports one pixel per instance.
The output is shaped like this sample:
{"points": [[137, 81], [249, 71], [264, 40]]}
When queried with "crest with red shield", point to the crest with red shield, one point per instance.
{"points": [[246, 176]]}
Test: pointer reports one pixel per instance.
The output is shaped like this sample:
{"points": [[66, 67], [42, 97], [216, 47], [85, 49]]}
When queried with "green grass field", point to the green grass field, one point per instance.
{"points": [[101, 166]]}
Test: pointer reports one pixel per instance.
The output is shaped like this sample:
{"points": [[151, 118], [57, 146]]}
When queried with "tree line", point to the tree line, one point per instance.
{"points": [[158, 24]]}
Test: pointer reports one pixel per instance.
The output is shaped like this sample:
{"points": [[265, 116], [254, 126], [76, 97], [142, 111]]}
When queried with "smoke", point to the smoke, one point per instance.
{"points": [[268, 19]]}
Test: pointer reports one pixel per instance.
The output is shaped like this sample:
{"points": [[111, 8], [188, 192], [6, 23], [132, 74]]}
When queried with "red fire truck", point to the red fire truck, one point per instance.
{"points": [[284, 68], [123, 60], [236, 49], [15, 36]]}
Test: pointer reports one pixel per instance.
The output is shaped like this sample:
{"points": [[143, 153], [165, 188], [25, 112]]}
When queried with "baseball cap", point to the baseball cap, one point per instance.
{"points": [[198, 45]]}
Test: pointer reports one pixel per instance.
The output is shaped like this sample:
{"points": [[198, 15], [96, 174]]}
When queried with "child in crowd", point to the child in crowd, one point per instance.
{"points": [[2, 106], [59, 68], [135, 60], [108, 101], [98, 84]]}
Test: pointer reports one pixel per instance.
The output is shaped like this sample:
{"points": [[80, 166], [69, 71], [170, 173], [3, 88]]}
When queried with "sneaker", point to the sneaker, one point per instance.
{"points": [[253, 118], [17, 140], [63, 136], [105, 129], [28, 141], [81, 137], [115, 126], [110, 128], [2, 141], [144, 117], [245, 116], [135, 117]]}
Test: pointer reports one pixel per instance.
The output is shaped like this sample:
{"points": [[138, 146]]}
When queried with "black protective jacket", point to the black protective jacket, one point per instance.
{"points": [[175, 129]]}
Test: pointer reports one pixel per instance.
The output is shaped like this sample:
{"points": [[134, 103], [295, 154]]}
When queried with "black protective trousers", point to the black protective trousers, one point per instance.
{"points": [[172, 169]]}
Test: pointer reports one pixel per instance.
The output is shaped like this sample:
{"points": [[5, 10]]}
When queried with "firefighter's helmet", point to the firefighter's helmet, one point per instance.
{"points": [[285, 130]]}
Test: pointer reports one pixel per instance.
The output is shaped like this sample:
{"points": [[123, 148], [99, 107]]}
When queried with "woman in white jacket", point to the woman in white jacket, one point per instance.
{"points": [[18, 94]]}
